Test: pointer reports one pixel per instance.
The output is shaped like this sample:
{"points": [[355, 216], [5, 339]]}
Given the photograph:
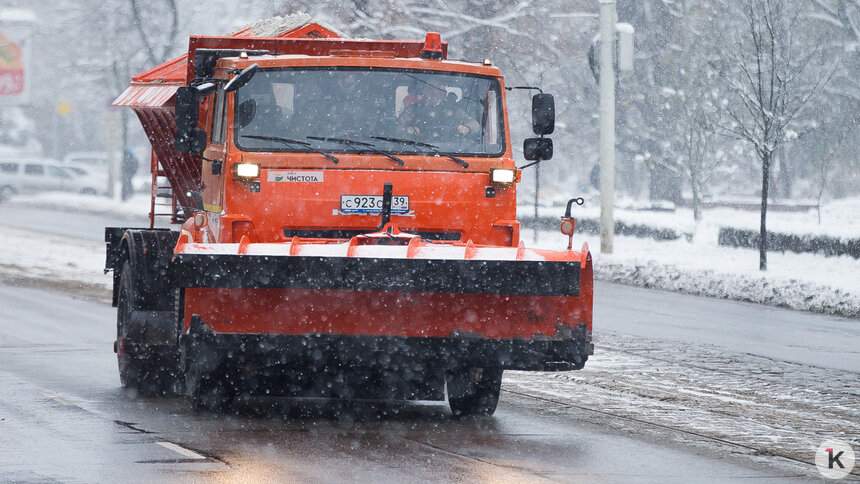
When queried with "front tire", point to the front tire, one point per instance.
{"points": [[141, 367], [474, 391]]}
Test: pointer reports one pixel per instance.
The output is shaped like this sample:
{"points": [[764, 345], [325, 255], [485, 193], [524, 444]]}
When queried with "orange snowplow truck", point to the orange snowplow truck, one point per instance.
{"points": [[348, 228]]}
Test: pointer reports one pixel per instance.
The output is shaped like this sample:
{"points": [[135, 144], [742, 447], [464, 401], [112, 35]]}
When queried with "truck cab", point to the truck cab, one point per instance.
{"points": [[306, 146]]}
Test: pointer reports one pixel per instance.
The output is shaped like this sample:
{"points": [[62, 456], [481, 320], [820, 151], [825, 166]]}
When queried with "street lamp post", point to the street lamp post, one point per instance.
{"points": [[607, 125]]}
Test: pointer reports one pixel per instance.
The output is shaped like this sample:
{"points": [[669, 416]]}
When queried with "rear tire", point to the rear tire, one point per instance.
{"points": [[477, 391]]}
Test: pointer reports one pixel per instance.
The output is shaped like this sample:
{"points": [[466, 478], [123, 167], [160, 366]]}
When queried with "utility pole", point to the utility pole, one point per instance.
{"points": [[537, 190], [111, 154], [607, 124]]}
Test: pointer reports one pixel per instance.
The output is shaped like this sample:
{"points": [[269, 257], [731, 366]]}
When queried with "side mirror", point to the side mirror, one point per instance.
{"points": [[247, 111], [241, 78], [191, 141], [543, 114], [537, 148], [187, 109]]}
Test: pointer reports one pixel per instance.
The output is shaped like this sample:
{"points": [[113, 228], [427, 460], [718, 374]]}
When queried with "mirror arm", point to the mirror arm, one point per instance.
{"points": [[203, 89], [531, 88], [529, 164], [216, 164]]}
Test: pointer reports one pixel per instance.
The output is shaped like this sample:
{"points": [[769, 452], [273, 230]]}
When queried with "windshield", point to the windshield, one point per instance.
{"points": [[394, 111]]}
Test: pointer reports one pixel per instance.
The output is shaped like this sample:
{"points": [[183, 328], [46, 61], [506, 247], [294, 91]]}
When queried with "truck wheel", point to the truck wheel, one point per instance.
{"points": [[475, 391], [140, 368], [128, 360]]}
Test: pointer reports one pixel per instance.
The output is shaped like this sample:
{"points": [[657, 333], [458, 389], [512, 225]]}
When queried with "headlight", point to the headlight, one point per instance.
{"points": [[502, 176], [246, 170]]}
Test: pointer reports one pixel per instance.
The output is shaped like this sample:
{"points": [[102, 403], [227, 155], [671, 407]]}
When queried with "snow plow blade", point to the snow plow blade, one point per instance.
{"points": [[506, 307], [522, 278]]}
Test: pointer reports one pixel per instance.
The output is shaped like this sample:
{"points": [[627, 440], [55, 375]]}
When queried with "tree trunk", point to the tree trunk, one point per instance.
{"points": [[697, 201], [762, 245], [786, 171]]}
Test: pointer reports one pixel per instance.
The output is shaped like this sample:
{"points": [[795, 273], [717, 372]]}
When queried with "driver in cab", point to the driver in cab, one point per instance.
{"points": [[436, 115]]}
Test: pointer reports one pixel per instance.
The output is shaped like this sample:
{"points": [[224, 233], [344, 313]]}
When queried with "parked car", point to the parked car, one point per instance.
{"points": [[92, 160], [91, 181], [32, 175]]}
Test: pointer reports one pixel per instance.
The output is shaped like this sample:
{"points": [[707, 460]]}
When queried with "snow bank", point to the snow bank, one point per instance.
{"points": [[806, 282], [36, 258], [792, 293], [136, 206], [839, 218]]}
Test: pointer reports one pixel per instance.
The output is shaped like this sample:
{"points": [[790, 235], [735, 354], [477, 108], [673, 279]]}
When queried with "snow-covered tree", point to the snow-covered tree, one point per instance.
{"points": [[768, 73]]}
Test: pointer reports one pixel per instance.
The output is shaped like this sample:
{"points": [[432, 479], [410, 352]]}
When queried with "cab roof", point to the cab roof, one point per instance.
{"points": [[311, 39]]}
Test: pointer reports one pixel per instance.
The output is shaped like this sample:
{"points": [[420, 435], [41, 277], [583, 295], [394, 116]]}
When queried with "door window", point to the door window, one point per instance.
{"points": [[35, 170]]}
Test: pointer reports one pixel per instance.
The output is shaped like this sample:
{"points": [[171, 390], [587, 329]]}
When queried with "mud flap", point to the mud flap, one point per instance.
{"points": [[154, 327]]}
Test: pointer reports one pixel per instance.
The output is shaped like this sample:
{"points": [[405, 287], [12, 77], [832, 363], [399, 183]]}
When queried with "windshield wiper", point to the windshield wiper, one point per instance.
{"points": [[352, 142], [433, 148], [288, 141]]}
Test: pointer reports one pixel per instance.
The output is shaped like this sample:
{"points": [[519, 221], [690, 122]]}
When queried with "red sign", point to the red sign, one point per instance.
{"points": [[11, 82], [11, 68]]}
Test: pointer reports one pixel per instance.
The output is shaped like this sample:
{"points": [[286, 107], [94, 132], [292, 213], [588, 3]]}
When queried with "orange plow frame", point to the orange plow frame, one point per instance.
{"points": [[528, 297]]}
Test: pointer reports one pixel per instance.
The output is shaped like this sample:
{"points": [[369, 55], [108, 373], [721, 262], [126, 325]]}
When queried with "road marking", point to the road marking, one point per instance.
{"points": [[181, 451], [57, 399]]}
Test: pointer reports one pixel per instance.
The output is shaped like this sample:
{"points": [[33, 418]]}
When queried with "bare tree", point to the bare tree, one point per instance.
{"points": [[165, 14], [766, 75], [686, 101], [693, 108], [843, 16]]}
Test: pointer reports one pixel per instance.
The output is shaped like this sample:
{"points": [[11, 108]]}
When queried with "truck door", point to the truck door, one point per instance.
{"points": [[211, 175]]}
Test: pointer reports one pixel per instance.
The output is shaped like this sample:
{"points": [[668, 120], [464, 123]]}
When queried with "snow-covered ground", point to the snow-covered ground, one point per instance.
{"points": [[839, 218], [798, 281], [808, 282]]}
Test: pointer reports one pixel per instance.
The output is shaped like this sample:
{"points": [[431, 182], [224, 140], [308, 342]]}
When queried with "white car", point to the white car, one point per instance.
{"points": [[90, 181], [35, 175], [96, 161]]}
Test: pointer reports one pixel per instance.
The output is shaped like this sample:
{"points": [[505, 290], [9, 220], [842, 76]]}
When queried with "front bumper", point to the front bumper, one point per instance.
{"points": [[215, 350]]}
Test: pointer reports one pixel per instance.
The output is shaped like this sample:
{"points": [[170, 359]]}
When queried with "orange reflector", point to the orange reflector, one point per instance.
{"points": [[567, 226]]}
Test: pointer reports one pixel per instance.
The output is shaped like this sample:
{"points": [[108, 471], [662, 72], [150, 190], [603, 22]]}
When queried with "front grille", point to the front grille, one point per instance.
{"points": [[348, 234]]}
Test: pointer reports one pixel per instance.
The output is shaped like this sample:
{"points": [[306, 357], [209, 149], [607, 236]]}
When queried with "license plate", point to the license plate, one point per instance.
{"points": [[372, 204]]}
